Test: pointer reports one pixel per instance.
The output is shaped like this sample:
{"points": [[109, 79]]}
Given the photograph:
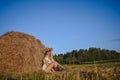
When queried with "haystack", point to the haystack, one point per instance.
{"points": [[20, 53]]}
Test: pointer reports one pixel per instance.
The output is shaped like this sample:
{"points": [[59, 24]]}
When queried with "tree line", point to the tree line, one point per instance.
{"points": [[84, 55]]}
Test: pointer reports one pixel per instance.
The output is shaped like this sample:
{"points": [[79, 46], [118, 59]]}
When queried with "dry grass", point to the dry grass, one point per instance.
{"points": [[108, 71], [20, 53]]}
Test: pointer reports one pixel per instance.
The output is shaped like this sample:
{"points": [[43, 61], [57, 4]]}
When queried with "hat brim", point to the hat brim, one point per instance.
{"points": [[49, 49]]}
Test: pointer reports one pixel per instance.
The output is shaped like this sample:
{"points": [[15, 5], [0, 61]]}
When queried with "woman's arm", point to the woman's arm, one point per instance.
{"points": [[57, 63]]}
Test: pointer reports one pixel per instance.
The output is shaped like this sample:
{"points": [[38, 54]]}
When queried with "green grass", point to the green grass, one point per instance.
{"points": [[109, 64], [101, 71]]}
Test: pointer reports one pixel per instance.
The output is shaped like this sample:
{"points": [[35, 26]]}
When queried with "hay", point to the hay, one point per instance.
{"points": [[20, 53]]}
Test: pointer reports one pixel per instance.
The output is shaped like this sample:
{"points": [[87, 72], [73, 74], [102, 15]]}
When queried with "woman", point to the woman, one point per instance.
{"points": [[49, 64]]}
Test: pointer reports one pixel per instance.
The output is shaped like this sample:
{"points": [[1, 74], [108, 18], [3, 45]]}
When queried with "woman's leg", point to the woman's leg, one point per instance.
{"points": [[51, 66]]}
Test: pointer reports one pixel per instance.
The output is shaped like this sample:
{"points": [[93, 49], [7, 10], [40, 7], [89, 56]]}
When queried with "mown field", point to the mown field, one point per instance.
{"points": [[96, 71]]}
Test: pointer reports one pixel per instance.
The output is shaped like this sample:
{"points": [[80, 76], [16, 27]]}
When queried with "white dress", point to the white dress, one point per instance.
{"points": [[46, 59]]}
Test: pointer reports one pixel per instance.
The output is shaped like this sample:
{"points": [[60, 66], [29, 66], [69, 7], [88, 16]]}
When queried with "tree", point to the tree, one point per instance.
{"points": [[92, 54]]}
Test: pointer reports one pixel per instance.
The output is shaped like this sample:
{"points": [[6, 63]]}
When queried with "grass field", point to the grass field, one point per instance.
{"points": [[101, 71]]}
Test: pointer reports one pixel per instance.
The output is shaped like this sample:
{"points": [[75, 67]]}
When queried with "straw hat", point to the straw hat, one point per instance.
{"points": [[48, 49]]}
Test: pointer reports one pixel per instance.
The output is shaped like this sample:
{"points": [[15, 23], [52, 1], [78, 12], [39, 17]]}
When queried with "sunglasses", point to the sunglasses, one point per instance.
{"points": [[48, 51]]}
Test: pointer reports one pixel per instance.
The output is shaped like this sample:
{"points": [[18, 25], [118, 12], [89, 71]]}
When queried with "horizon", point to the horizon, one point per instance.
{"points": [[65, 25]]}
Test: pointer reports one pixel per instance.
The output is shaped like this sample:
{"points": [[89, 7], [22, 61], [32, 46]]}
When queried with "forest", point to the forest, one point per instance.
{"points": [[88, 56]]}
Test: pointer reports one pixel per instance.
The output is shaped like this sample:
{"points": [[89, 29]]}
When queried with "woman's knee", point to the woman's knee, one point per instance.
{"points": [[55, 64]]}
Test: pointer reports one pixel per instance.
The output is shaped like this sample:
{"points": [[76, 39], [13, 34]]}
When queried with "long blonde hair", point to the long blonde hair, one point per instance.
{"points": [[51, 56]]}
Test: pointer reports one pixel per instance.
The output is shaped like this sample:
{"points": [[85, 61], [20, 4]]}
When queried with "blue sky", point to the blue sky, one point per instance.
{"points": [[65, 25]]}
